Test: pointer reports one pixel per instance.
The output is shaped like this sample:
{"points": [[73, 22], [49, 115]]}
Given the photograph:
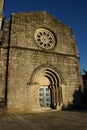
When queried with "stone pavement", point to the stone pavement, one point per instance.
{"points": [[56, 120]]}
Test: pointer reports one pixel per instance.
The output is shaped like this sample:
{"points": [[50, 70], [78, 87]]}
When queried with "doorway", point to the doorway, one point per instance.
{"points": [[45, 97], [49, 93]]}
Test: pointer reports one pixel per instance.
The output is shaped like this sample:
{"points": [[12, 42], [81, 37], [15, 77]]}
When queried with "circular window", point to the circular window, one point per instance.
{"points": [[45, 38]]}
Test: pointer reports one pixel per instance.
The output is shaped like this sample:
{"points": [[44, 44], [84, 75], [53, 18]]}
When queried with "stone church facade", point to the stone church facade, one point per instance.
{"points": [[39, 63]]}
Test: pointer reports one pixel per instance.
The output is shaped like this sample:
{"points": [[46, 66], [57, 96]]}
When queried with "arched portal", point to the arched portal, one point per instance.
{"points": [[50, 92]]}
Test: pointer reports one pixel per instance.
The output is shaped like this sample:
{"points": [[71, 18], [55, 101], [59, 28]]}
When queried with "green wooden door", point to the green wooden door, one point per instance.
{"points": [[44, 97]]}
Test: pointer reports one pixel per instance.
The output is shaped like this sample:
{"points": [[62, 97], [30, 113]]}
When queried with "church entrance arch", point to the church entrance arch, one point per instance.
{"points": [[49, 90]]}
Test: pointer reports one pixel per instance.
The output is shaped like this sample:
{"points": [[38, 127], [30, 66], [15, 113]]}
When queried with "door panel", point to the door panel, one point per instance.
{"points": [[44, 96]]}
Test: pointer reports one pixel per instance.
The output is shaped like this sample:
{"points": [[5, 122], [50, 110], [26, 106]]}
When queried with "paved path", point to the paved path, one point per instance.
{"points": [[56, 120]]}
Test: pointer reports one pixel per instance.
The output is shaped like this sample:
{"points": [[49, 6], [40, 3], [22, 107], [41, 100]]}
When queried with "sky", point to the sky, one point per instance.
{"points": [[72, 12]]}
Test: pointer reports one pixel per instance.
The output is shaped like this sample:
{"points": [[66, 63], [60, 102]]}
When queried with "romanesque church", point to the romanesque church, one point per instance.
{"points": [[39, 63]]}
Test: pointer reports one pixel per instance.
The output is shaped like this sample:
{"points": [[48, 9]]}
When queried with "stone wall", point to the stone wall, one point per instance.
{"points": [[24, 26], [25, 56], [20, 57], [22, 64], [1, 7], [4, 64]]}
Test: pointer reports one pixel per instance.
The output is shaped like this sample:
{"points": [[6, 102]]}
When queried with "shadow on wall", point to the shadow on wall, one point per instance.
{"points": [[2, 103], [79, 101]]}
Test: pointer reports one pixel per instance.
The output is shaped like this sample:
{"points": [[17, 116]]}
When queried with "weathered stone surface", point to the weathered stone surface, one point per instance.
{"points": [[44, 121], [25, 66], [26, 24]]}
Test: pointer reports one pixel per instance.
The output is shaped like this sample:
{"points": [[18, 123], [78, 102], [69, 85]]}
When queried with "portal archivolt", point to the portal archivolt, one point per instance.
{"points": [[50, 91]]}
